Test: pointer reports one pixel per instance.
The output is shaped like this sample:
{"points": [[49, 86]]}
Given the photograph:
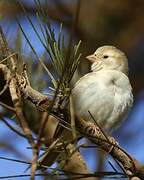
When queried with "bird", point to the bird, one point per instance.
{"points": [[105, 92]]}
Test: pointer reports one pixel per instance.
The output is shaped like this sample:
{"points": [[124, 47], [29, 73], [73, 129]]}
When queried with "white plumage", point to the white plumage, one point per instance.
{"points": [[106, 91]]}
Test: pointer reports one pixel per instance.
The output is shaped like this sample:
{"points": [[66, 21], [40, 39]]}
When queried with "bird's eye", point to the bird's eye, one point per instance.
{"points": [[105, 56]]}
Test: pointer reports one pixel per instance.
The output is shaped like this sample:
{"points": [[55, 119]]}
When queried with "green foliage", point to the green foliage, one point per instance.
{"points": [[64, 59]]}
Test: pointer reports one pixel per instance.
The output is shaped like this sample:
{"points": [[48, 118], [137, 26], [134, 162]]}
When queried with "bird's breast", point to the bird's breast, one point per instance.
{"points": [[106, 95]]}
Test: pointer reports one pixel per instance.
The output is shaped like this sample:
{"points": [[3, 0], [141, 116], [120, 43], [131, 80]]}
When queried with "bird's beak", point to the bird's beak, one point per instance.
{"points": [[91, 58]]}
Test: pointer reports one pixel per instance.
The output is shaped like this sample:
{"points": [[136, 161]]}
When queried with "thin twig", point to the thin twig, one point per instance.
{"points": [[14, 160], [8, 107], [7, 58], [12, 128]]}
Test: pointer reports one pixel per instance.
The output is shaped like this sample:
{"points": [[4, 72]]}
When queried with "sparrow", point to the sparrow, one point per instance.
{"points": [[106, 91]]}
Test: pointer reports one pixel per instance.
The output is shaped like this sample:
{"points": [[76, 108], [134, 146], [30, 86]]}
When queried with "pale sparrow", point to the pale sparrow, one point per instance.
{"points": [[106, 91]]}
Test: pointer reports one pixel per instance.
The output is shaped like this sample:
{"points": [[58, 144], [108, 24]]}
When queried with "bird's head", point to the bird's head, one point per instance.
{"points": [[108, 58]]}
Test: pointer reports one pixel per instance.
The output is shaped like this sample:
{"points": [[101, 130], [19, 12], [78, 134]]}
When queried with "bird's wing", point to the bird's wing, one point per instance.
{"points": [[94, 93]]}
